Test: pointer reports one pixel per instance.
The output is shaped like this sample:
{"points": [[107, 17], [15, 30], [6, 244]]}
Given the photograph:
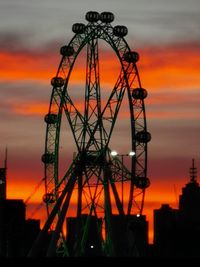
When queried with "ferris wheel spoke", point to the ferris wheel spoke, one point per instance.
{"points": [[116, 197], [52, 246], [111, 109], [111, 117]]}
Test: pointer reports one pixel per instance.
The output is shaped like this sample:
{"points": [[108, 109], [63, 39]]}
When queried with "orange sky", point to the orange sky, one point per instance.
{"points": [[173, 69], [36, 208]]}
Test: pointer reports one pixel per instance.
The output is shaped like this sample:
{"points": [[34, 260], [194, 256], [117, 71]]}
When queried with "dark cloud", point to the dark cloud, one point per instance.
{"points": [[16, 42], [161, 22], [180, 24], [27, 91], [174, 102], [12, 41]]}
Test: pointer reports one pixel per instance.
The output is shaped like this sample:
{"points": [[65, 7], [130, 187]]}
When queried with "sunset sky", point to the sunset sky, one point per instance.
{"points": [[166, 34]]}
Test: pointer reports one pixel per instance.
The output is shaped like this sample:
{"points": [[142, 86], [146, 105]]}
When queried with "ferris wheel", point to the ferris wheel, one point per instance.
{"points": [[97, 178]]}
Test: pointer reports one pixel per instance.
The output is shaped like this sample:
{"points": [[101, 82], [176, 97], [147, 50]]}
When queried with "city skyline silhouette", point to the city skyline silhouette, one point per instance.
{"points": [[176, 231]]}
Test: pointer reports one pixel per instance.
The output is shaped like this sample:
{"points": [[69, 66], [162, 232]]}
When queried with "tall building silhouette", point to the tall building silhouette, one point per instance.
{"points": [[189, 210], [189, 201], [12, 222], [16, 233], [177, 231]]}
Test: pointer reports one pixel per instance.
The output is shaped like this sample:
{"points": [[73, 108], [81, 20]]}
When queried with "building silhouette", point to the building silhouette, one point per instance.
{"points": [[129, 236], [12, 222], [16, 233], [90, 237], [177, 231], [32, 230]]}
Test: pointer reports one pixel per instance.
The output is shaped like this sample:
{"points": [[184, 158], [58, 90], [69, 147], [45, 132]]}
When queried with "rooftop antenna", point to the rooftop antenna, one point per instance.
{"points": [[6, 158], [193, 173], [3, 177]]}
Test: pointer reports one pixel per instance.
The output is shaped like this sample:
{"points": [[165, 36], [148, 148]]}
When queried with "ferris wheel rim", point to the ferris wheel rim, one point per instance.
{"points": [[66, 83]]}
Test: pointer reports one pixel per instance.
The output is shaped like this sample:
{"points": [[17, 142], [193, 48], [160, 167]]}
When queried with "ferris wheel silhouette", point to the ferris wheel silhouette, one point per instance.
{"points": [[96, 177]]}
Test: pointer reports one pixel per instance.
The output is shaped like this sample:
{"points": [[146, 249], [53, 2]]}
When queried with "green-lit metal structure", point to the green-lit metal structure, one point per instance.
{"points": [[93, 173]]}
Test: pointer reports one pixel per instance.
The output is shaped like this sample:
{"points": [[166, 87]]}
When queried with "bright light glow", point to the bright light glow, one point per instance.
{"points": [[113, 153], [138, 215], [131, 153], [92, 246]]}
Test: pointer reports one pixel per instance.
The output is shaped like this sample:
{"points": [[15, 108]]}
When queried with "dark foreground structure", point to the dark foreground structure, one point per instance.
{"points": [[16, 233], [177, 231]]}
